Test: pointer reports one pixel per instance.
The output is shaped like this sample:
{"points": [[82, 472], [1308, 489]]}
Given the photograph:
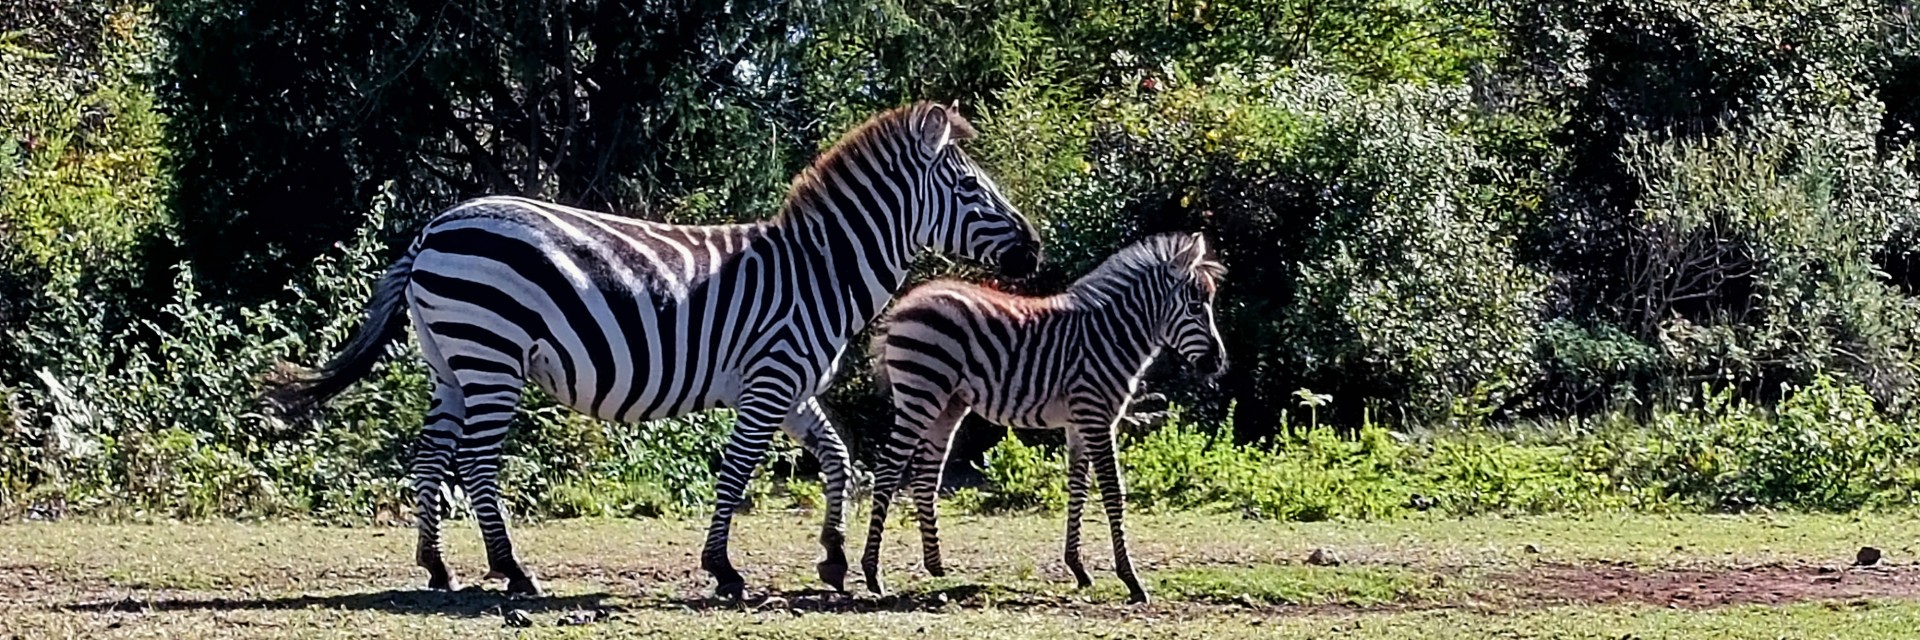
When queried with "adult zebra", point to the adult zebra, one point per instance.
{"points": [[630, 320], [1071, 361]]}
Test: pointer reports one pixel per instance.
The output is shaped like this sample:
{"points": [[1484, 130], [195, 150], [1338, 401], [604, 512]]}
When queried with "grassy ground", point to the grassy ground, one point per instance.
{"points": [[1212, 576]]}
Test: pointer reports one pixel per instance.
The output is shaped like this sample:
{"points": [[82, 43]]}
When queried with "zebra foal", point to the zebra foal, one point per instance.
{"points": [[1071, 361], [629, 320]]}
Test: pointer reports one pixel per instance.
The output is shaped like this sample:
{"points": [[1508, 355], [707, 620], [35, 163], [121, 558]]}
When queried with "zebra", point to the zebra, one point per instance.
{"points": [[1071, 361], [629, 320]]}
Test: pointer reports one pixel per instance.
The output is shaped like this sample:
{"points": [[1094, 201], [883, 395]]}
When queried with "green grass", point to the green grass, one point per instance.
{"points": [[1211, 576]]}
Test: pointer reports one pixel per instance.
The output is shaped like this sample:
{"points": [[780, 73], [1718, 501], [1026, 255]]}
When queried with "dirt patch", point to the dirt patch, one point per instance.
{"points": [[1707, 587]]}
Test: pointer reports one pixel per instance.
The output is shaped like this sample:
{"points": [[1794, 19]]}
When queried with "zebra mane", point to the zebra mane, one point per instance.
{"points": [[902, 121], [1151, 256]]}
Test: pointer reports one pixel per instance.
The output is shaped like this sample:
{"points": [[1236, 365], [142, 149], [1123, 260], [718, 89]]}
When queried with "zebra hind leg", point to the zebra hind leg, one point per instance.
{"points": [[432, 462], [1077, 481], [809, 425], [895, 457], [928, 466], [489, 411]]}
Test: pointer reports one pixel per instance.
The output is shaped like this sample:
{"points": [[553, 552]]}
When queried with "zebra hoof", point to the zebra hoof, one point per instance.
{"points": [[936, 571], [834, 574], [523, 588], [731, 591], [874, 586], [1138, 597], [442, 583], [1080, 577]]}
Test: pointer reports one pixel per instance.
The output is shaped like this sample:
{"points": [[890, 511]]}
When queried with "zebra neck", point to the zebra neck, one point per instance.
{"points": [[1127, 331], [851, 263]]}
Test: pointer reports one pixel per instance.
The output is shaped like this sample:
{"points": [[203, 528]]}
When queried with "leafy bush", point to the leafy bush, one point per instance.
{"points": [[1365, 260], [1314, 472], [1824, 447]]}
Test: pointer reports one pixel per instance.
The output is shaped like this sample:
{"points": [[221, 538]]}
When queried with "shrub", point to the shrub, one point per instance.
{"points": [[1365, 261], [1825, 447]]}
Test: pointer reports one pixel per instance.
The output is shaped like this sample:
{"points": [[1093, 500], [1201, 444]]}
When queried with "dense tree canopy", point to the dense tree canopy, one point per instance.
{"points": [[1432, 212]]}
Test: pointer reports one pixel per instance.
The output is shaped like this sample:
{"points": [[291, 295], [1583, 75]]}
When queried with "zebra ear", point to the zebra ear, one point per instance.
{"points": [[1199, 247], [935, 126]]}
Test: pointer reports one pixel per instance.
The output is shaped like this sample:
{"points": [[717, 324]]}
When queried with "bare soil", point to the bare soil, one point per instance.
{"points": [[1708, 587]]}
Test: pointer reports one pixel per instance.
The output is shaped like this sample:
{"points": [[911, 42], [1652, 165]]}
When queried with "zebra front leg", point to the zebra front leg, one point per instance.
{"points": [[1077, 481], [810, 426], [746, 448], [1106, 463]]}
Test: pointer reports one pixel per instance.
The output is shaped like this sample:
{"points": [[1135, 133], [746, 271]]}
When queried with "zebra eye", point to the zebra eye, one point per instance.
{"points": [[970, 183]]}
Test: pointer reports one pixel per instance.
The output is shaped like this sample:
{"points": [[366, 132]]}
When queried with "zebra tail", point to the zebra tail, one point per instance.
{"points": [[293, 390]]}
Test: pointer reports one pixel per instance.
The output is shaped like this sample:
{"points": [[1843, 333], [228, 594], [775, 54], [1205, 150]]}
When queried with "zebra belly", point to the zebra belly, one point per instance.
{"points": [[1044, 412], [639, 392]]}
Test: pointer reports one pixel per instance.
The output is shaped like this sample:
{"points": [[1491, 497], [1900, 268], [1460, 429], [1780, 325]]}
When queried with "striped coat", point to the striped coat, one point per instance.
{"points": [[630, 320], [1071, 361]]}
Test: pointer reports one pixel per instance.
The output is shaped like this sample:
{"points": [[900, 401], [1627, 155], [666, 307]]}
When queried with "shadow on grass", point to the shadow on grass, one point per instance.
{"points": [[476, 603], [460, 603]]}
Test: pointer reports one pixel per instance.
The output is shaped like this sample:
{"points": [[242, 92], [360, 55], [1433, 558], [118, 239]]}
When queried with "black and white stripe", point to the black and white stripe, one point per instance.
{"points": [[631, 320], [1071, 361]]}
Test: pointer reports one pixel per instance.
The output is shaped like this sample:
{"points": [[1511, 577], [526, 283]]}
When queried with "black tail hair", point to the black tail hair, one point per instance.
{"points": [[292, 390]]}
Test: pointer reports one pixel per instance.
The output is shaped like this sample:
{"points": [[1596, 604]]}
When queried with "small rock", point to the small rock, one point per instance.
{"points": [[1323, 557], [940, 598], [1867, 557], [518, 618], [774, 602], [1530, 548], [582, 616], [1245, 600]]}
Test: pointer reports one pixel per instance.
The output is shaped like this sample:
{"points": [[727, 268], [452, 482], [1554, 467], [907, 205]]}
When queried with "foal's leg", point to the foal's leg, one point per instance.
{"points": [[929, 464], [1106, 464], [1077, 481], [910, 426]]}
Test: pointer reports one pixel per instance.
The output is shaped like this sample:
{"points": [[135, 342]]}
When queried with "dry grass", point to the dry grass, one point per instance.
{"points": [[1212, 576]]}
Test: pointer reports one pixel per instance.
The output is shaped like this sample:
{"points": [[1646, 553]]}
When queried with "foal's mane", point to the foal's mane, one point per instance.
{"points": [[869, 136], [1148, 256]]}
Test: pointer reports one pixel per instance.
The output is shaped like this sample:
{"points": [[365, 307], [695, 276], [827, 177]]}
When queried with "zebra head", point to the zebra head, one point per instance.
{"points": [[960, 210], [1191, 330]]}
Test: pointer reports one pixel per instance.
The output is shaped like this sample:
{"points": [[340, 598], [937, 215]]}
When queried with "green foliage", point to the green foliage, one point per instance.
{"points": [[1449, 218], [1313, 473], [1365, 260], [620, 104], [1824, 447]]}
